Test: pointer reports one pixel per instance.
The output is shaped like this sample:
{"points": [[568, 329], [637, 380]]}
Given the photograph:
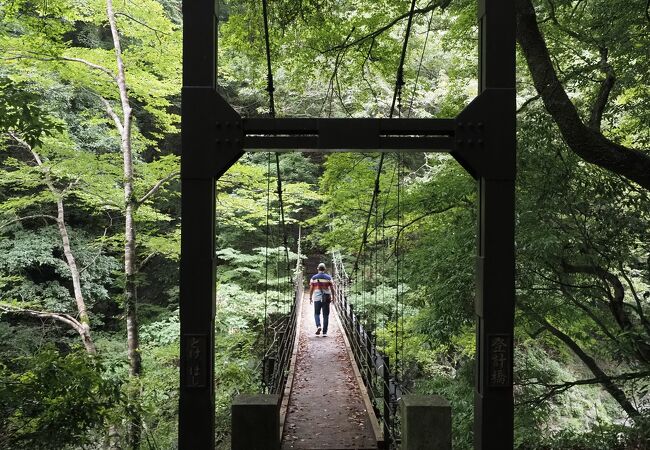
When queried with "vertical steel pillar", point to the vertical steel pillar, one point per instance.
{"points": [[197, 271], [495, 302]]}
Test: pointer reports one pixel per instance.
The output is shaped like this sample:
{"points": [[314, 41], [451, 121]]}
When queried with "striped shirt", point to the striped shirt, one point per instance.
{"points": [[322, 283]]}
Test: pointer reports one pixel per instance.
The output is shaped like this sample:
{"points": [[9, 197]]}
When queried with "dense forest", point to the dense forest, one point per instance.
{"points": [[90, 211]]}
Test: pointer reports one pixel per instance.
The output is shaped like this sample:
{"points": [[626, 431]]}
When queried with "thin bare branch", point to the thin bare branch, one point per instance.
{"points": [[559, 388], [606, 381], [32, 216], [568, 76], [155, 30], [527, 102], [637, 300], [157, 186], [40, 57], [330, 87], [588, 312], [568, 30], [113, 115], [101, 246], [92, 66], [146, 260]]}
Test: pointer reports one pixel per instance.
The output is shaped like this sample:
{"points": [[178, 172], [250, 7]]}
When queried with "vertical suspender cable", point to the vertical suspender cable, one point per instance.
{"points": [[400, 224], [374, 309], [266, 261], [284, 227], [216, 47], [270, 88], [397, 268], [279, 292], [399, 82]]}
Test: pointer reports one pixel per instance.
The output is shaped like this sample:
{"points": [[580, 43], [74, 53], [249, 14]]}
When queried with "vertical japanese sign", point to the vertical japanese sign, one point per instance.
{"points": [[196, 360], [499, 354]]}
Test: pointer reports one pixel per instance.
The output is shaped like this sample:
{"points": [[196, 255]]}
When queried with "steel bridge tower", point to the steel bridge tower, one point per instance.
{"points": [[481, 138]]}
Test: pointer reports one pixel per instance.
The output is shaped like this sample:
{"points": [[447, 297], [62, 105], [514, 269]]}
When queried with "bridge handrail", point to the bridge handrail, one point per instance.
{"points": [[383, 388], [278, 366]]}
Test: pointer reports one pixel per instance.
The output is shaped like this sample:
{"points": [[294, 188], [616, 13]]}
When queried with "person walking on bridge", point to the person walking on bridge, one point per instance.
{"points": [[321, 293]]}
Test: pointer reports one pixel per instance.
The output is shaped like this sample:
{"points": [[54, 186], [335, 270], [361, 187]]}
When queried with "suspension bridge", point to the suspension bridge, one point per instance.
{"points": [[328, 407], [324, 392], [481, 138]]}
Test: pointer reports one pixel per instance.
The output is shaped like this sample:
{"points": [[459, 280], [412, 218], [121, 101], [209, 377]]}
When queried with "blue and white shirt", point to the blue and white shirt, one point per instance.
{"points": [[322, 283]]}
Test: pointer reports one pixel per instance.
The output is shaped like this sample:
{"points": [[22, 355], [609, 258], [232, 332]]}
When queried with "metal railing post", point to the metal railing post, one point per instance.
{"points": [[369, 362], [386, 378], [351, 326]]}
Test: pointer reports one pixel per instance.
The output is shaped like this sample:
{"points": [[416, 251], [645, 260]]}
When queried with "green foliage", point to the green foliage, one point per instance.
{"points": [[237, 370], [602, 435], [161, 333], [160, 388], [36, 276], [53, 398], [20, 112]]}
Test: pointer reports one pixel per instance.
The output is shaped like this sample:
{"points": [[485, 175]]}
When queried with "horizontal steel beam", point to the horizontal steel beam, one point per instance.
{"points": [[310, 144], [340, 135], [313, 125]]}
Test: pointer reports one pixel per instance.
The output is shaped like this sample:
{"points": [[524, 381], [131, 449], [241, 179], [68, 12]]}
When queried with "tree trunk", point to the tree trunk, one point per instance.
{"points": [[587, 142], [130, 204], [84, 320], [82, 326], [130, 294]]}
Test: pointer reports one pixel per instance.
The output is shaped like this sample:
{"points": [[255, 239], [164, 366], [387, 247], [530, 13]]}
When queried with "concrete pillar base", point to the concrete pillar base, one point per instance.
{"points": [[256, 422], [426, 422]]}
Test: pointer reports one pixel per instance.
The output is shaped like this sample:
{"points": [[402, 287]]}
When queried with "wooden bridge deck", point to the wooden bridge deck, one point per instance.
{"points": [[326, 409]]}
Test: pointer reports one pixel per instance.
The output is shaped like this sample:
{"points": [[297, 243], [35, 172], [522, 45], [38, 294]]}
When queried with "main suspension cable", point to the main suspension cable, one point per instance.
{"points": [[399, 81], [269, 73], [417, 75], [270, 88], [375, 193]]}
